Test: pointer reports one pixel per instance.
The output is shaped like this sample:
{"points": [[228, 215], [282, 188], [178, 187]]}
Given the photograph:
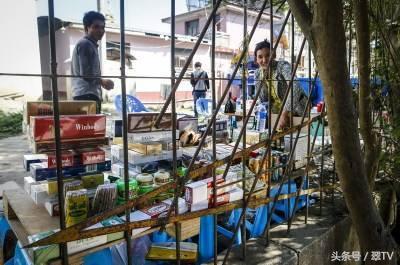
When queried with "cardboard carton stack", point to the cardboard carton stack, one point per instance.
{"points": [[82, 136]]}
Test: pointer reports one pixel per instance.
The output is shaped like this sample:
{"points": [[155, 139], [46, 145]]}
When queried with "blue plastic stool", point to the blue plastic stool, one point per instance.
{"points": [[206, 240], [282, 206], [132, 104], [202, 106], [20, 257], [159, 237], [4, 228], [233, 221], [99, 258]]}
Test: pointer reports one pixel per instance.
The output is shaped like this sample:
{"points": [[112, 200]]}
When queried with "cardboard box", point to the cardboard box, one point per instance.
{"points": [[52, 208], [144, 122], [67, 144], [33, 158], [71, 127], [296, 121], [147, 149], [196, 192], [45, 108], [52, 186], [156, 210], [149, 137], [252, 136], [231, 196], [138, 216], [92, 181], [300, 150], [187, 123], [39, 193], [194, 207], [67, 159], [114, 220], [182, 205], [91, 156], [118, 170], [28, 182], [135, 158], [116, 128], [40, 171]]}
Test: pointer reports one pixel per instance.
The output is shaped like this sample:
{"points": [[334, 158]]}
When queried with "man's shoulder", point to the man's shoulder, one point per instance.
{"points": [[84, 43]]}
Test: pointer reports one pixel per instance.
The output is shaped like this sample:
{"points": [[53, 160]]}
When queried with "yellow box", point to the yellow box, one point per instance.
{"points": [[146, 149], [92, 181]]}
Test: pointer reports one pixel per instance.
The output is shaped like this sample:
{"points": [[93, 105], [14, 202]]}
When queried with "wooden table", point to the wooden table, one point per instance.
{"points": [[26, 219]]}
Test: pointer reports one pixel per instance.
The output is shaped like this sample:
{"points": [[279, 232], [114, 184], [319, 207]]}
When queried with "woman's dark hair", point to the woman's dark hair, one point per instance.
{"points": [[91, 16], [261, 45]]}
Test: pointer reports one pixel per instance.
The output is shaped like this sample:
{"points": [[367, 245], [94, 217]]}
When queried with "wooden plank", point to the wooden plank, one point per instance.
{"points": [[33, 218], [77, 258]]}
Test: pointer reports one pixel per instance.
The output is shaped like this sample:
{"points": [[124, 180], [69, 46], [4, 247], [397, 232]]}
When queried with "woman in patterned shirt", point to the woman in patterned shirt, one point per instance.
{"points": [[281, 75]]}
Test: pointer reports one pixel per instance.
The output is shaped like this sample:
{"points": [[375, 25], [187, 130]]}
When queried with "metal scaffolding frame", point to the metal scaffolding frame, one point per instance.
{"points": [[77, 231]]}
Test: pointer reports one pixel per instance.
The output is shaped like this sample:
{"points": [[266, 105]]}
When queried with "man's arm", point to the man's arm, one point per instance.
{"points": [[206, 81], [85, 58], [192, 81]]}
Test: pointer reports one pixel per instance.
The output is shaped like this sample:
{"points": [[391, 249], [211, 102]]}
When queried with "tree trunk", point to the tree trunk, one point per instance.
{"points": [[325, 33], [371, 152]]}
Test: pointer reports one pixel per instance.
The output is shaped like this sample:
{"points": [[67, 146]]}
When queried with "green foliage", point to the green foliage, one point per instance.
{"points": [[10, 124]]}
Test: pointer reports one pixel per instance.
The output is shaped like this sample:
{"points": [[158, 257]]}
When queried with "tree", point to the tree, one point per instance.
{"points": [[325, 34], [371, 152]]}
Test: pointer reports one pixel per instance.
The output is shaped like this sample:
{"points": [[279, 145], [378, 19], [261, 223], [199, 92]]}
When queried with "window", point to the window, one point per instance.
{"points": [[218, 22], [113, 52], [181, 56], [165, 90], [192, 27]]}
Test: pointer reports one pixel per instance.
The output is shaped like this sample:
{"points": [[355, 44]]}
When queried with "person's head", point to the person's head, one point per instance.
{"points": [[262, 53], [197, 65], [94, 24]]}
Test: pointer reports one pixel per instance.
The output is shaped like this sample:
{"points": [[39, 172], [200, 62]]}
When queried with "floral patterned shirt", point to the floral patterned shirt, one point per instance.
{"points": [[281, 75]]}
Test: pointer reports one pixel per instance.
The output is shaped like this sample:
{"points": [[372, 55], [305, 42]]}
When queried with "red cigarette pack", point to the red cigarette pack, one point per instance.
{"points": [[71, 127], [156, 210], [92, 156], [67, 158]]}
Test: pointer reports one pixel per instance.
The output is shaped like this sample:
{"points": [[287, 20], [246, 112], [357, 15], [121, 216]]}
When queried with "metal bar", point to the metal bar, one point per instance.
{"points": [[310, 89], [321, 176], [271, 56], [214, 133], [174, 146], [188, 61], [124, 114], [254, 102], [144, 198], [244, 99], [213, 117], [287, 172], [108, 76], [306, 111], [56, 117], [291, 109], [263, 159]]}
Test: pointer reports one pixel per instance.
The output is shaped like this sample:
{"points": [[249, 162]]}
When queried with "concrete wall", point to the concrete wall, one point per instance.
{"points": [[19, 48], [152, 60]]}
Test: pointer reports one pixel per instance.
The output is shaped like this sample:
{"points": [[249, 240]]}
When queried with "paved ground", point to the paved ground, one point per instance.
{"points": [[12, 172]]}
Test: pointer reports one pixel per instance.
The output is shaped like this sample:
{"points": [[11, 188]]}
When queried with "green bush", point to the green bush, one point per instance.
{"points": [[10, 124]]}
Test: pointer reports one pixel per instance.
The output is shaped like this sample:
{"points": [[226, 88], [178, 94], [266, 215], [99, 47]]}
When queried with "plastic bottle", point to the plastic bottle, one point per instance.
{"points": [[262, 118]]}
